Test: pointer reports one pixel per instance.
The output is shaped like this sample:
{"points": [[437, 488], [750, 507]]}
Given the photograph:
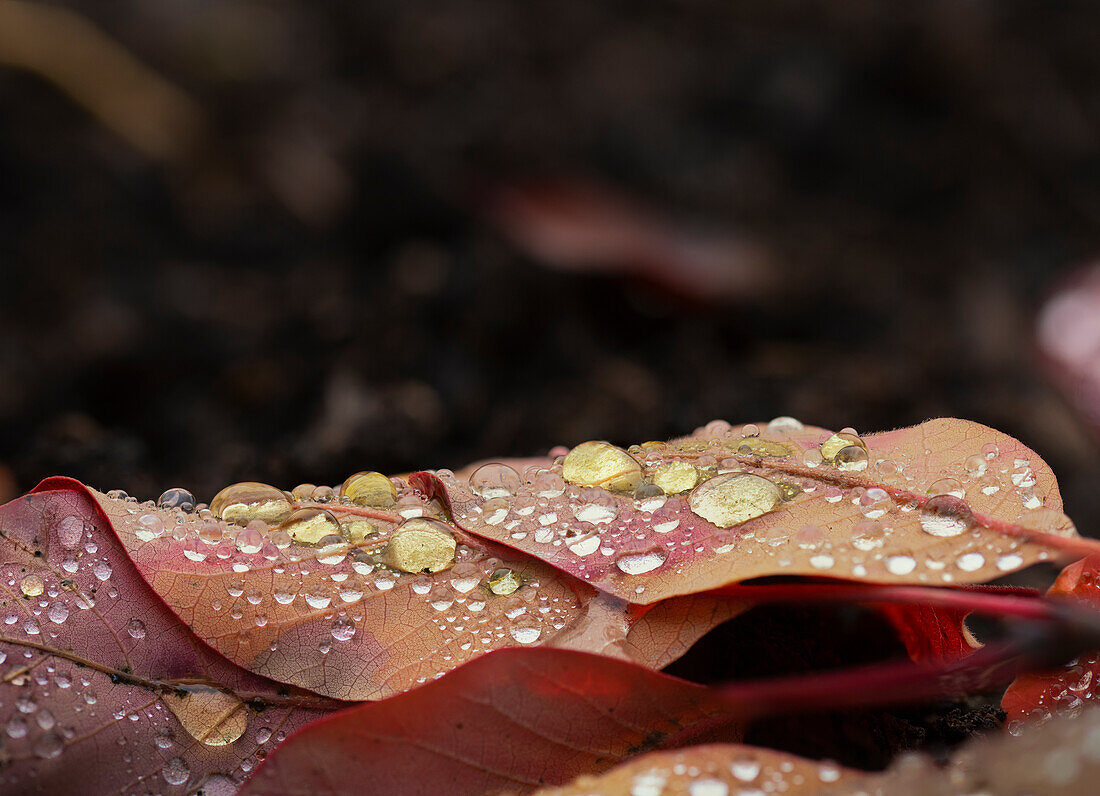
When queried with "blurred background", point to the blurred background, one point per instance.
{"points": [[287, 241]]}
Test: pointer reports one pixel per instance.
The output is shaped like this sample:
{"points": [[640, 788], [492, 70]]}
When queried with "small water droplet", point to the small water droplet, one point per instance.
{"points": [[175, 771], [640, 563], [177, 498], [70, 531], [310, 525], [946, 515], [900, 565], [58, 612], [343, 628], [525, 629], [494, 480], [136, 629]]}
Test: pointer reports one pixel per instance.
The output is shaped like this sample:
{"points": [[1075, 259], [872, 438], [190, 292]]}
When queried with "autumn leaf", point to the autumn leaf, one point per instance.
{"points": [[1038, 696], [711, 770], [102, 688], [513, 719], [331, 616], [945, 502]]}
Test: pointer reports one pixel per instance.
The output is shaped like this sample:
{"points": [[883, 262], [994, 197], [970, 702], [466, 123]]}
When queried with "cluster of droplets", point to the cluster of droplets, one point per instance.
{"points": [[601, 508]]}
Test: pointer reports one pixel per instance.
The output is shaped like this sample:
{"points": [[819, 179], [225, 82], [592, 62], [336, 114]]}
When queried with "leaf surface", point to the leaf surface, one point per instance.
{"points": [[514, 719], [102, 688], [948, 501], [335, 620]]}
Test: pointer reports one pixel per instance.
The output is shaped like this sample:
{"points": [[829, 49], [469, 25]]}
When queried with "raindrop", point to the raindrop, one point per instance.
{"points": [[194, 549], [734, 498], [209, 715], [136, 628], [310, 525], [420, 545], [102, 570], [745, 769], [975, 466], [149, 527], [343, 628], [48, 746], [175, 771], [900, 565], [504, 581], [946, 515], [1009, 561], [465, 577], [177, 498], [784, 425], [970, 562], [602, 464], [250, 540], [675, 477], [70, 531], [525, 629], [852, 457], [16, 727], [494, 480], [58, 613], [241, 503], [369, 489], [32, 585], [640, 563], [584, 545]]}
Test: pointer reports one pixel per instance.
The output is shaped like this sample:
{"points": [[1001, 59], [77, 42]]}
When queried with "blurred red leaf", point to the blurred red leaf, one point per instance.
{"points": [[786, 499], [512, 719], [102, 688], [1037, 696]]}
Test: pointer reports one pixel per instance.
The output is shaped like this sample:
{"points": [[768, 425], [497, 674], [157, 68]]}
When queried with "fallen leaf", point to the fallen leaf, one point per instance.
{"points": [[102, 688], [1038, 696], [335, 620], [711, 770], [948, 501], [512, 719]]}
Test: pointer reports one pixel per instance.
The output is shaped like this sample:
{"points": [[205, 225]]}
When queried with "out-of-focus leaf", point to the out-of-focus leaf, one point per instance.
{"points": [[102, 688], [335, 619], [1068, 338], [1038, 696], [948, 501], [711, 770], [513, 719]]}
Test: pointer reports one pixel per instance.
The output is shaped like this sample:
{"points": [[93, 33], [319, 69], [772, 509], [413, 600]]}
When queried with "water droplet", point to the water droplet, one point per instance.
{"points": [[584, 545], [1047, 520], [639, 563], [599, 509], [900, 565], [1031, 498], [49, 745], [209, 715], [832, 447], [675, 477], [525, 629], [745, 769], [990, 451], [177, 498], [420, 545], [1009, 562], [343, 628], [494, 480], [70, 531], [370, 489], [58, 613], [975, 466], [102, 570], [310, 525], [812, 457], [136, 628], [852, 457], [504, 581], [784, 425], [734, 498], [822, 561], [970, 562], [149, 527], [946, 486], [32, 585], [246, 501], [946, 515], [602, 464], [547, 484], [250, 540], [175, 771], [211, 533]]}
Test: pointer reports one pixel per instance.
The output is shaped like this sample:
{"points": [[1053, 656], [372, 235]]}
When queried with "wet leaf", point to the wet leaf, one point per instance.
{"points": [[711, 770], [407, 600], [102, 688], [1038, 696], [513, 719], [945, 502]]}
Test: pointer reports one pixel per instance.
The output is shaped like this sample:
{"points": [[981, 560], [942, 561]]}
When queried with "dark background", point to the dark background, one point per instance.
{"points": [[315, 238]]}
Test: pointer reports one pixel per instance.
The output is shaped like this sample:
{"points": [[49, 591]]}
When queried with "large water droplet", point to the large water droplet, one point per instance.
{"points": [[209, 715], [734, 498], [48, 746], [32, 585], [70, 531], [343, 628], [250, 540], [136, 629], [310, 525], [177, 498], [676, 476], [58, 613], [602, 464], [640, 563], [946, 515], [494, 480], [241, 503], [175, 771], [420, 545], [832, 447], [370, 489], [525, 629], [504, 581]]}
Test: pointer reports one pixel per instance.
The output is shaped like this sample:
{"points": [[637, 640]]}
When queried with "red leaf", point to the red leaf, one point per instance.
{"points": [[515, 719], [1038, 696], [102, 688], [785, 500]]}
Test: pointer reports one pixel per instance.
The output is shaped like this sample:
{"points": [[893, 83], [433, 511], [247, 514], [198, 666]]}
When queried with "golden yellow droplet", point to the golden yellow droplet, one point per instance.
{"points": [[676, 476], [504, 581], [788, 490], [241, 503], [310, 525], [356, 529], [838, 442], [209, 715], [728, 500], [369, 488], [602, 464], [653, 445], [32, 585], [755, 446], [420, 545]]}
